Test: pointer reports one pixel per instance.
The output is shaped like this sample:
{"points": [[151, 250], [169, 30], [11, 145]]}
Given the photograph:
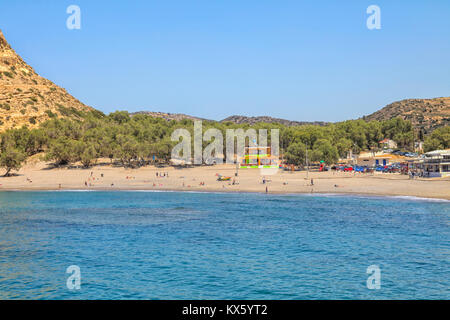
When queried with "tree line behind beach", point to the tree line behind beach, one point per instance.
{"points": [[139, 140]]}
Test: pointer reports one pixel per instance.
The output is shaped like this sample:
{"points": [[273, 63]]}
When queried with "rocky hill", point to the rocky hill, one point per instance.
{"points": [[27, 98], [265, 119], [425, 114]]}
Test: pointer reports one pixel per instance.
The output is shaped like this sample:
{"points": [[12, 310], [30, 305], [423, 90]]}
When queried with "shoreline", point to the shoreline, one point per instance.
{"points": [[320, 194], [39, 176]]}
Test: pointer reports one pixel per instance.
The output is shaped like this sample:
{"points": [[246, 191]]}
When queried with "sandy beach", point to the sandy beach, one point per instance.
{"points": [[37, 175]]}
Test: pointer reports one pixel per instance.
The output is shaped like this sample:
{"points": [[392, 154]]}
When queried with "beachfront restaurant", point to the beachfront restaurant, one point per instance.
{"points": [[378, 160], [436, 163]]}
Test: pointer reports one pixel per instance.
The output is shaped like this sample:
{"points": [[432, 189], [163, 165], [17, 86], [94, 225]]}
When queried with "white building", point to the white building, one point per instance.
{"points": [[437, 163], [388, 144]]}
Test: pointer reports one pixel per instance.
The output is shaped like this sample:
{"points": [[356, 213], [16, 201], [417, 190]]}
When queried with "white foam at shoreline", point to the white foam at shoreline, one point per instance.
{"points": [[368, 196]]}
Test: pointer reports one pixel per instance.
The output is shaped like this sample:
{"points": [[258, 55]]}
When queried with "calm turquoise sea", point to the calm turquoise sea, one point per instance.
{"points": [[169, 245]]}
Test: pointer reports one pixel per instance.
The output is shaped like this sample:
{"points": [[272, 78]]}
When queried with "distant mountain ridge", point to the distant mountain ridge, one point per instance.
{"points": [[235, 119], [424, 114], [27, 98], [253, 120], [167, 116]]}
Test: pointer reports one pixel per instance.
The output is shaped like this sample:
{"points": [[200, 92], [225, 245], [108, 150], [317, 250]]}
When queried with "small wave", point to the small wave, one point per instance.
{"points": [[366, 196], [180, 208], [420, 199], [68, 190]]}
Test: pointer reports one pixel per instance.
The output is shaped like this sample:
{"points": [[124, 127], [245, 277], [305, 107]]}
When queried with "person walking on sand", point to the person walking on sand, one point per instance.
{"points": [[312, 182], [267, 190]]}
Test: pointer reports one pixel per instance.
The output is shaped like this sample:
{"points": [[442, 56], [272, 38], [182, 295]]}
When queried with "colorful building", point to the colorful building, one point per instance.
{"points": [[258, 157]]}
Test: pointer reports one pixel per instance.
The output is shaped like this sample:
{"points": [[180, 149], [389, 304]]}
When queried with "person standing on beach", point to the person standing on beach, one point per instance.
{"points": [[267, 190]]}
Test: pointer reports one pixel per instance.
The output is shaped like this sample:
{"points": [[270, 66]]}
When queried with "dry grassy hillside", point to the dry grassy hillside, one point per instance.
{"points": [[28, 99], [425, 114]]}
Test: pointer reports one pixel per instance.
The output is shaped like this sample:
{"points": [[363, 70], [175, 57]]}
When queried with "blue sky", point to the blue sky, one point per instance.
{"points": [[299, 60]]}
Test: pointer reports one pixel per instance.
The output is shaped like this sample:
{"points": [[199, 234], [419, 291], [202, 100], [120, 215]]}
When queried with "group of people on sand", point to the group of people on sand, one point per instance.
{"points": [[90, 181]]}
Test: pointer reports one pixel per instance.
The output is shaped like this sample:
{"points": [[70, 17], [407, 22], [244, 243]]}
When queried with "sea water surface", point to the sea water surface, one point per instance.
{"points": [[171, 245]]}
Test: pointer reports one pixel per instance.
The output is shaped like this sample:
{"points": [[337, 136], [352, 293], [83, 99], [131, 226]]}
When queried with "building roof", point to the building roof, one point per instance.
{"points": [[384, 156], [438, 152]]}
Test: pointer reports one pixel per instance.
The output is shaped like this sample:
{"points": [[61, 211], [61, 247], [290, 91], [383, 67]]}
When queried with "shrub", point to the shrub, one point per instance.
{"points": [[76, 112], [8, 74], [63, 110], [50, 114], [6, 106]]}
